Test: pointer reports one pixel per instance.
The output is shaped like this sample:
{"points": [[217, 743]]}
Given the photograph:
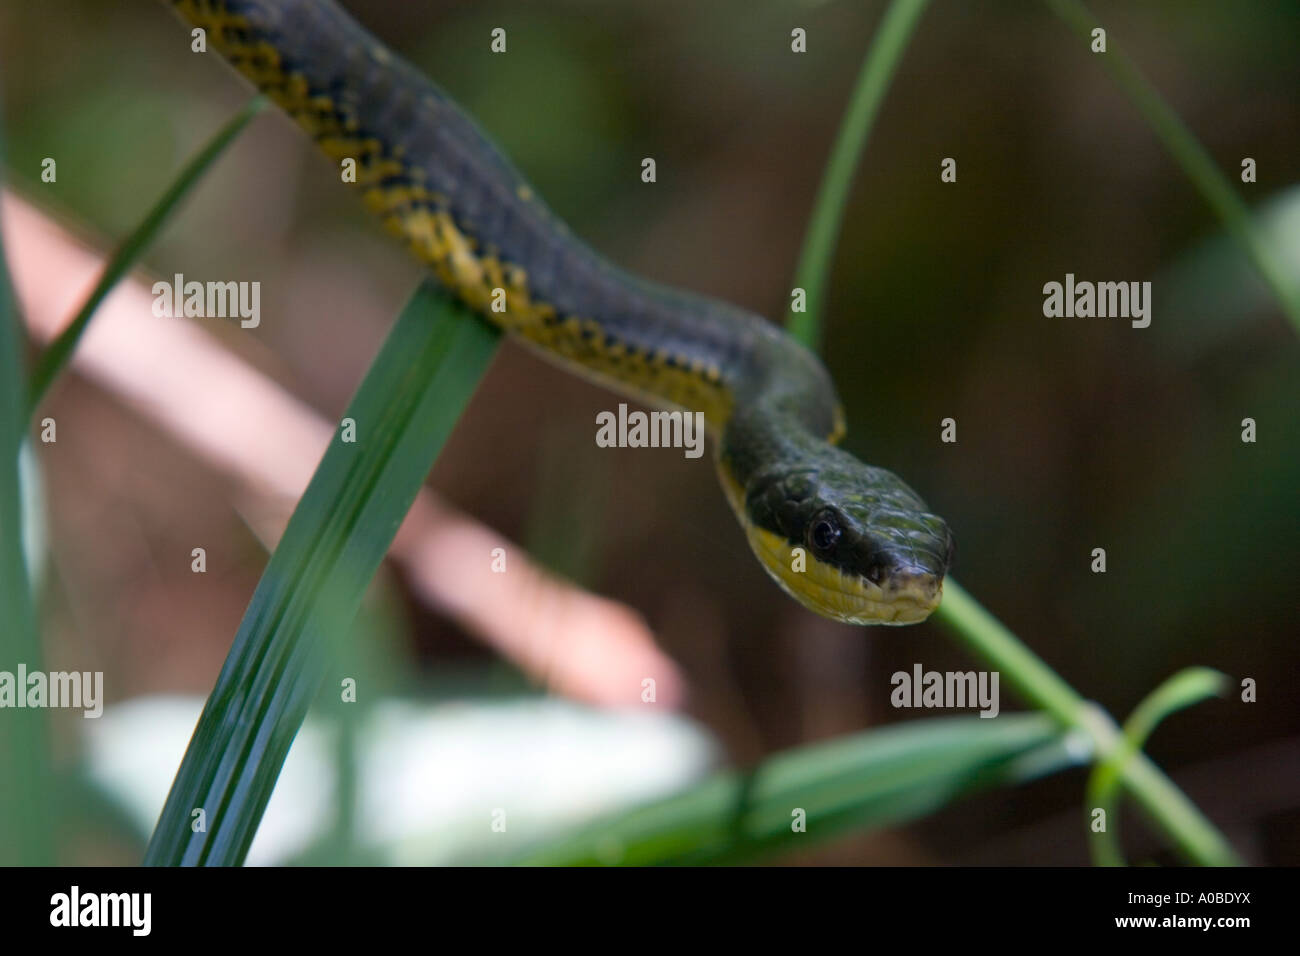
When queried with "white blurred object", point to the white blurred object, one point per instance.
{"points": [[431, 778], [35, 531]]}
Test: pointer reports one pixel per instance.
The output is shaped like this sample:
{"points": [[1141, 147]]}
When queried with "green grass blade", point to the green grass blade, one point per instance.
{"points": [[1167, 806], [26, 831], [813, 270], [1196, 163], [1187, 687], [404, 410], [53, 360], [1020, 668], [868, 780]]}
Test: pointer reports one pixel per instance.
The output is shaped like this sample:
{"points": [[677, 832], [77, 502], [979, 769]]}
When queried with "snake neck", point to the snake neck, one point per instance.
{"points": [[759, 445]]}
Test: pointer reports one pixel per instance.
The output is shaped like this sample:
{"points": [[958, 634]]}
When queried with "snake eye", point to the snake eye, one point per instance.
{"points": [[824, 532]]}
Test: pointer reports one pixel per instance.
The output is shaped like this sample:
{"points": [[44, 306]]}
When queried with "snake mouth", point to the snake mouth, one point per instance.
{"points": [[907, 595], [912, 594]]}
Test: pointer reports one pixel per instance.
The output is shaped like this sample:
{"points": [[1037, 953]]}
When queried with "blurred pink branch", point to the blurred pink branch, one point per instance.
{"points": [[269, 443]]}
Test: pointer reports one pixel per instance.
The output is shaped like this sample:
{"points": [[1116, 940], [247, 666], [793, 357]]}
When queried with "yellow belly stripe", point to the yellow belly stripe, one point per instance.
{"points": [[394, 190]]}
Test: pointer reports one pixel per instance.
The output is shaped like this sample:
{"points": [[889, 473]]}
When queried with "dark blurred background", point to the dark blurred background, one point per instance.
{"points": [[1073, 433]]}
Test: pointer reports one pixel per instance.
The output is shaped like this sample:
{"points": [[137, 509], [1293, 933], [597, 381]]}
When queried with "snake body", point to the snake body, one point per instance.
{"points": [[846, 539]]}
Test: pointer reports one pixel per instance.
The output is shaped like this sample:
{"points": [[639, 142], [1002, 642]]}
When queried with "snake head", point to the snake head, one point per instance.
{"points": [[872, 553]]}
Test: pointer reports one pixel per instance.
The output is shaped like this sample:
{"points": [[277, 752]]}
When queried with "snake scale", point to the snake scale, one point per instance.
{"points": [[848, 540]]}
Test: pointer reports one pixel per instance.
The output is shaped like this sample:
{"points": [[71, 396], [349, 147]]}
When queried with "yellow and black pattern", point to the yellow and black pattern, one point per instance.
{"points": [[439, 184], [396, 186]]}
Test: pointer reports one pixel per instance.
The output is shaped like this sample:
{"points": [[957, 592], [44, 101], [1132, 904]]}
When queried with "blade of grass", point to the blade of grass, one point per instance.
{"points": [[1196, 163], [404, 410], [59, 352], [869, 780], [1166, 806], [1187, 687], [813, 270], [26, 831]]}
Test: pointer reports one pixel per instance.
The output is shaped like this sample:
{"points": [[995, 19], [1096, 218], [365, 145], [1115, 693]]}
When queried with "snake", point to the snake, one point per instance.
{"points": [[848, 540]]}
